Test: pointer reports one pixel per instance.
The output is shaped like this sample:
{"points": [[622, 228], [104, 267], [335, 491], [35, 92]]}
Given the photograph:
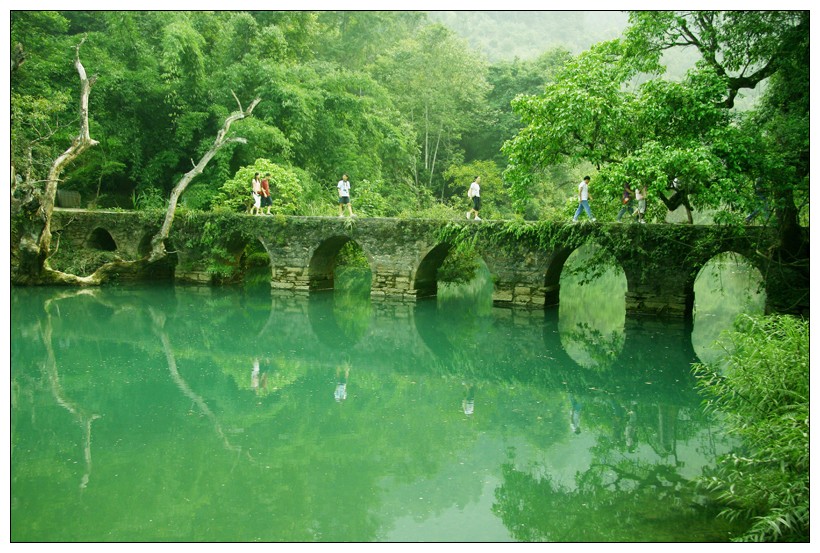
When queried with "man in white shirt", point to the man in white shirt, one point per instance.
{"points": [[583, 200], [474, 193]]}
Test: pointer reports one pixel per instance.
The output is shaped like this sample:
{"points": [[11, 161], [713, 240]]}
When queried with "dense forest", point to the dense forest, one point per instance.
{"points": [[411, 105]]}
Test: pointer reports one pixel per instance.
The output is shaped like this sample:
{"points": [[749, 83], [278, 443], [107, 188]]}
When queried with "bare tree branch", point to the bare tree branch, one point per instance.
{"points": [[81, 142], [158, 241]]}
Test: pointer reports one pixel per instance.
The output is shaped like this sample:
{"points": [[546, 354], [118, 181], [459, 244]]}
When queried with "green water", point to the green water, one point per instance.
{"points": [[138, 414]]}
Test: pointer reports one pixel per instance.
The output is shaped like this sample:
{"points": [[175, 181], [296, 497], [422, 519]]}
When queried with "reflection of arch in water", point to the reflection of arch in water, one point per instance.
{"points": [[462, 303], [432, 330], [330, 328], [653, 343], [101, 239], [592, 309], [559, 362], [426, 281], [322, 267], [725, 286]]}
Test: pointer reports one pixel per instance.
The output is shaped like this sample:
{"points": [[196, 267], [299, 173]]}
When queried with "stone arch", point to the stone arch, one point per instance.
{"points": [[256, 265], [552, 278], [734, 294], [332, 328], [101, 239], [698, 267], [555, 267], [426, 280], [322, 266], [144, 246]]}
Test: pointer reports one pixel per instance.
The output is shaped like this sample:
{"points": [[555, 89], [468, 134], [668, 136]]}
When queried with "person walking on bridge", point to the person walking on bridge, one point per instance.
{"points": [[640, 194], [583, 200], [344, 196], [626, 202], [474, 193], [256, 192], [267, 201]]}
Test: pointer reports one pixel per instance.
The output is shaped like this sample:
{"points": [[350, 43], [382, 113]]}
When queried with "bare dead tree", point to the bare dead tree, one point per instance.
{"points": [[222, 138], [38, 270], [81, 142]]}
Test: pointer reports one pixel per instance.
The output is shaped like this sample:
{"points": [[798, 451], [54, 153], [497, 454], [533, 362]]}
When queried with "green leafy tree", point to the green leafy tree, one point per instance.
{"points": [[744, 49], [508, 79], [494, 204], [286, 189], [439, 86], [761, 389], [659, 130], [41, 92]]}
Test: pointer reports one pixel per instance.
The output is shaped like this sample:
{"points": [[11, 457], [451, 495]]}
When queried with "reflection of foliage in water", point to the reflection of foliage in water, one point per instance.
{"points": [[610, 502], [351, 301], [596, 349], [727, 286], [474, 296], [402, 431], [256, 264], [592, 309]]}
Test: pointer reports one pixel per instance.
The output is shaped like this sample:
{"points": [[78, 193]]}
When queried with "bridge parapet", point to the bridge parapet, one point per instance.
{"points": [[661, 262]]}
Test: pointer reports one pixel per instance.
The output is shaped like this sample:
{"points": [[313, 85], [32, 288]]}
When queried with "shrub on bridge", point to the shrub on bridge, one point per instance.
{"points": [[285, 186]]}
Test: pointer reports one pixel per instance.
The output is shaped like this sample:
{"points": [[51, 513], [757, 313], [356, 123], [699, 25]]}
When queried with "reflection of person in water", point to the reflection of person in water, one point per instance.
{"points": [[631, 422], [342, 373], [255, 375], [258, 382], [468, 403], [618, 419], [575, 415]]}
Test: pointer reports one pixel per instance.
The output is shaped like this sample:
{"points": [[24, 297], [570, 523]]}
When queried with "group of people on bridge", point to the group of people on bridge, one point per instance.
{"points": [[260, 190], [628, 198]]}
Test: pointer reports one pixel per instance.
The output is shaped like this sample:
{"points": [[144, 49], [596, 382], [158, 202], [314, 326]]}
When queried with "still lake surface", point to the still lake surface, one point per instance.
{"points": [[193, 414]]}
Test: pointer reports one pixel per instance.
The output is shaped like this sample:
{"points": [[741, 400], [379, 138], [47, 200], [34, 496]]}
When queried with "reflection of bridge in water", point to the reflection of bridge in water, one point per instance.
{"points": [[404, 255], [181, 324], [296, 327]]}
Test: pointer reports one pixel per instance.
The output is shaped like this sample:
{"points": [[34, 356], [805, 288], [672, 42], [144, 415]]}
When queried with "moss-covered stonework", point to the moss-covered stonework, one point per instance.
{"points": [[661, 262]]}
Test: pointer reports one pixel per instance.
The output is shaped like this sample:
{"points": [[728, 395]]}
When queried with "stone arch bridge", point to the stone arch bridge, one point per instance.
{"points": [[525, 260]]}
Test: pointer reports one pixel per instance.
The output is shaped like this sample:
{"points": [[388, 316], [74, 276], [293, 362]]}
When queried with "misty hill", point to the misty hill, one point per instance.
{"points": [[505, 35]]}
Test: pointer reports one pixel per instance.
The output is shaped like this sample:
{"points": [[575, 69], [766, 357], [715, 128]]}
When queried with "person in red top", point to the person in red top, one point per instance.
{"points": [[266, 199]]}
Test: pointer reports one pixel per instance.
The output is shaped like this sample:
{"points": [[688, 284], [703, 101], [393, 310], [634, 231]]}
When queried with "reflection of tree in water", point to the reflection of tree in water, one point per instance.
{"points": [[610, 502], [592, 310], [351, 302], [158, 319], [592, 348], [81, 415]]}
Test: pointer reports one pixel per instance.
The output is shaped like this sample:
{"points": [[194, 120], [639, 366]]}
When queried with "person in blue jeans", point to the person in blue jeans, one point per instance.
{"points": [[583, 200], [626, 202]]}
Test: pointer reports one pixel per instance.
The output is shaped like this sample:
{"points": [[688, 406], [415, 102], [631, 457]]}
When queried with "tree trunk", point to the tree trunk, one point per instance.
{"points": [[81, 142], [158, 241], [30, 260], [433, 166]]}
